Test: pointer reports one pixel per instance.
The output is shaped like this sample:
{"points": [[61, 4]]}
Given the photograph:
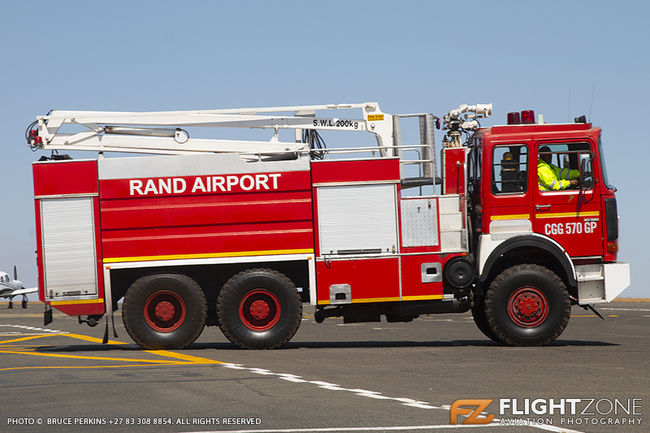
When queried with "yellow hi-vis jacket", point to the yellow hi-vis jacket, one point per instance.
{"points": [[552, 178]]}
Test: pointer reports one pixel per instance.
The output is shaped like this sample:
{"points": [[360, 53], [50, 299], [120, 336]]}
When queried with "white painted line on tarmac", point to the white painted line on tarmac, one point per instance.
{"points": [[32, 328], [624, 309], [334, 387], [552, 428], [374, 395], [391, 428]]}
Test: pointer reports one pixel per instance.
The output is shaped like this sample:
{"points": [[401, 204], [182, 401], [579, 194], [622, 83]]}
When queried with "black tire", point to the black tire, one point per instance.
{"points": [[164, 311], [259, 309], [480, 318], [24, 303], [527, 305]]}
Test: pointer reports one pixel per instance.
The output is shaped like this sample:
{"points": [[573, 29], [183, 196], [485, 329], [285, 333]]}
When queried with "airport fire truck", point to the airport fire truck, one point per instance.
{"points": [[191, 232]]}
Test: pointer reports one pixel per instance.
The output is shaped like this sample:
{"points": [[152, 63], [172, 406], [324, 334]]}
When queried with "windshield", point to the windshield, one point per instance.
{"points": [[602, 162]]}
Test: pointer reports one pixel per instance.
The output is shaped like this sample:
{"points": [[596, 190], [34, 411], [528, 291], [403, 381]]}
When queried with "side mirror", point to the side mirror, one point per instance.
{"points": [[585, 178]]}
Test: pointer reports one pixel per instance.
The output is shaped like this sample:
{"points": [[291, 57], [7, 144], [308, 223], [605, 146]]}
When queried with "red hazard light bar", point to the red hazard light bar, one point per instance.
{"points": [[526, 117]]}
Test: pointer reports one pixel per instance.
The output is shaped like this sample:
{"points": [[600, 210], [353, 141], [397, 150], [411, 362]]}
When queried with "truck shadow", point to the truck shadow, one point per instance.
{"points": [[198, 347], [454, 343]]}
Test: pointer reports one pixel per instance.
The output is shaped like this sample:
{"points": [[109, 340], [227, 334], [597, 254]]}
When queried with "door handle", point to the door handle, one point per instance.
{"points": [[541, 207]]}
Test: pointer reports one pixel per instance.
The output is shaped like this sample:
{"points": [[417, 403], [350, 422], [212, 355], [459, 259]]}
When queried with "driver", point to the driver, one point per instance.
{"points": [[552, 178]]}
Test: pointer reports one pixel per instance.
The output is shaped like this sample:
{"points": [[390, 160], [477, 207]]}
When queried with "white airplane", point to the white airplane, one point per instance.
{"points": [[13, 287]]}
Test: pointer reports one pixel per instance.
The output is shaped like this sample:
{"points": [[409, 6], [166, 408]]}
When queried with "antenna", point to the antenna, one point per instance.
{"points": [[591, 104]]}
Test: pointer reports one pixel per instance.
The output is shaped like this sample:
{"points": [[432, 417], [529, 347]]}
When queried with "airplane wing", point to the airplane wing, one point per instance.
{"points": [[21, 291]]}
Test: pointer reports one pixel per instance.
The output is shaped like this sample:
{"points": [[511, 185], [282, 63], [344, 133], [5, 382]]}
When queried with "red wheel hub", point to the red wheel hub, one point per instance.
{"points": [[259, 310], [528, 307], [164, 311]]}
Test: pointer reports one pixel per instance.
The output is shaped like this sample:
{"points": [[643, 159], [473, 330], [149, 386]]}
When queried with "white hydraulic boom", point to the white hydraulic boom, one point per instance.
{"points": [[161, 132]]}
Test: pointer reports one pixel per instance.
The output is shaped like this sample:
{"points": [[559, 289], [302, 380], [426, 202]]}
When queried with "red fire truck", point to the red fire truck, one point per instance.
{"points": [[240, 233]]}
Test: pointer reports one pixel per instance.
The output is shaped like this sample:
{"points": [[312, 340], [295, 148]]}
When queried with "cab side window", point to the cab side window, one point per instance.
{"points": [[564, 166], [509, 169]]}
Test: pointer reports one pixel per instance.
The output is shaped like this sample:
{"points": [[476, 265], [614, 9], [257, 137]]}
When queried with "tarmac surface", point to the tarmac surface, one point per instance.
{"points": [[330, 378]]}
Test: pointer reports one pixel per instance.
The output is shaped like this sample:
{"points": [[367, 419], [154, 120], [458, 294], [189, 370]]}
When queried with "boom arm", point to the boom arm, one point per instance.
{"points": [[160, 132]]}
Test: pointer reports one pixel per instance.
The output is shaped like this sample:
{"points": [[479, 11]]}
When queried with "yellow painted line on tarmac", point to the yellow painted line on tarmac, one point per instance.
{"points": [[173, 358], [94, 358], [51, 367], [189, 358], [31, 337], [91, 339]]}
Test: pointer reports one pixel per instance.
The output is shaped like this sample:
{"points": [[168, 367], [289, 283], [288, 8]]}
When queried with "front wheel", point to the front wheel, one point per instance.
{"points": [[164, 311], [527, 305], [259, 309]]}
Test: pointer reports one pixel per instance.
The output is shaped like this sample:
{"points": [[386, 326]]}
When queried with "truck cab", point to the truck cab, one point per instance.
{"points": [[569, 228]]}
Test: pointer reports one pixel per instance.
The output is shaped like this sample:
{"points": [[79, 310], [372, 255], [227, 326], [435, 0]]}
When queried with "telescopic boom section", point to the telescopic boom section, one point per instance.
{"points": [[161, 132]]}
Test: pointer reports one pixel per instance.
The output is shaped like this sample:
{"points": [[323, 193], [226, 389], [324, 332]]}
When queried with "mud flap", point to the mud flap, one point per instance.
{"points": [[47, 315]]}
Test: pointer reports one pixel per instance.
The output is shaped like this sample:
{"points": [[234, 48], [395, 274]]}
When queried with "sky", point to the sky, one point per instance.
{"points": [[562, 59]]}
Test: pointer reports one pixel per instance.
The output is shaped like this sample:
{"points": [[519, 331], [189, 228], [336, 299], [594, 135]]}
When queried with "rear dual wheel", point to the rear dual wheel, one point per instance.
{"points": [[164, 311], [259, 309], [527, 305]]}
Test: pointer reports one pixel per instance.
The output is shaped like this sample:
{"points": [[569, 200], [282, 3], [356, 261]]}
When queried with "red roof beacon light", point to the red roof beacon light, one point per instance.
{"points": [[513, 118], [528, 116]]}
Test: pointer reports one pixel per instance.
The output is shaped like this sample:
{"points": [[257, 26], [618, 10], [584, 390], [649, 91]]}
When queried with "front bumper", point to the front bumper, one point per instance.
{"points": [[602, 283]]}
